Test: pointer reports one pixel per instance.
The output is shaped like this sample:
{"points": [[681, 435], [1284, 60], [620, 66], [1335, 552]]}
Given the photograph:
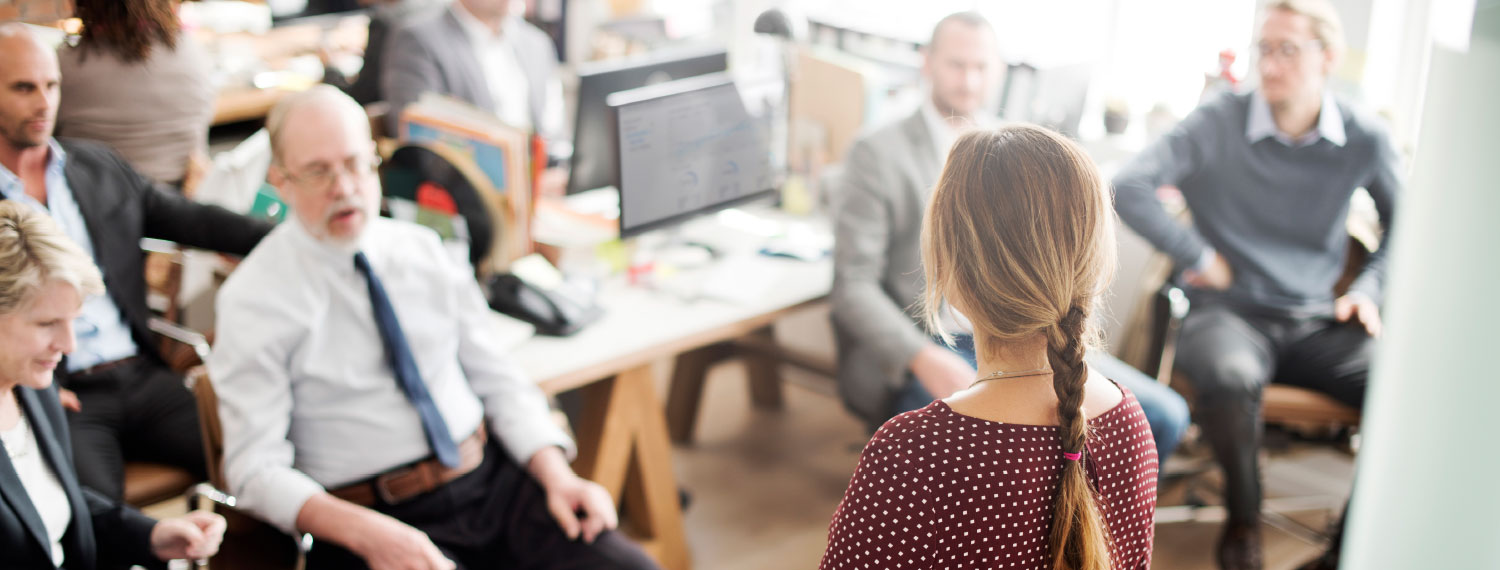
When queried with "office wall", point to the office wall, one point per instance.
{"points": [[35, 11], [1425, 493]]}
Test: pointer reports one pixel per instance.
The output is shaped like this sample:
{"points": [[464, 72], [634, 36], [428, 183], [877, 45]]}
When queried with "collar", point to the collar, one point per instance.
{"points": [[57, 158], [1261, 125], [943, 133], [477, 31], [339, 255]]}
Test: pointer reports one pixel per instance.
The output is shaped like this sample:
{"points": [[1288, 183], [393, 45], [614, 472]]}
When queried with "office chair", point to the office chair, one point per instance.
{"points": [[151, 483], [249, 543], [1281, 404]]}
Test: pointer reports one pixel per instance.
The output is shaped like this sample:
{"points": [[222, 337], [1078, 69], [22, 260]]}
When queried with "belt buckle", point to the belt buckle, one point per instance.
{"points": [[382, 487]]}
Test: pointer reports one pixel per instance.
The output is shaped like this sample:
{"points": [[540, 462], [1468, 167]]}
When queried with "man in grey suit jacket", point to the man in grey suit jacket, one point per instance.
{"points": [[887, 363], [479, 52]]}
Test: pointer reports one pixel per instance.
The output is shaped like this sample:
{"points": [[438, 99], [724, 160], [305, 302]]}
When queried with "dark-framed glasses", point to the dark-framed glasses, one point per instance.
{"points": [[1286, 50]]}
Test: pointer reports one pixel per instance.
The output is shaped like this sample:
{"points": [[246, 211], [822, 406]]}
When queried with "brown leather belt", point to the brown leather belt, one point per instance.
{"points": [[402, 483], [103, 367]]}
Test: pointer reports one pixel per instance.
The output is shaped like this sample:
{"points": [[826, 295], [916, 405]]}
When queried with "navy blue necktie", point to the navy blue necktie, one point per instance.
{"points": [[406, 367]]}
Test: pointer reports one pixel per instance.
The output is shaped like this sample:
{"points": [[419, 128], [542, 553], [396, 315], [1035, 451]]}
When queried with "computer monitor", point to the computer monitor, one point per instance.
{"points": [[284, 10], [593, 163], [686, 148]]}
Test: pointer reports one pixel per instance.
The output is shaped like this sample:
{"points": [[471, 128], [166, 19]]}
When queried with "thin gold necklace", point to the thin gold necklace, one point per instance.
{"points": [[999, 374]]}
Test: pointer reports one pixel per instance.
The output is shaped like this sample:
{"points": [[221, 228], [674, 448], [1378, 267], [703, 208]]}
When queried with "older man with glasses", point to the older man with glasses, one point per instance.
{"points": [[1268, 178], [363, 396]]}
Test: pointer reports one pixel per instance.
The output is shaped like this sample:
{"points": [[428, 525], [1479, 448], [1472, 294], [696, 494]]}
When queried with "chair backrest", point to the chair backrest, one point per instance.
{"points": [[208, 422]]}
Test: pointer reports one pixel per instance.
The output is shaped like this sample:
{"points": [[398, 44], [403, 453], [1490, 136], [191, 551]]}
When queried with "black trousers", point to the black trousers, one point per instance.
{"points": [[1230, 354], [136, 412], [495, 517]]}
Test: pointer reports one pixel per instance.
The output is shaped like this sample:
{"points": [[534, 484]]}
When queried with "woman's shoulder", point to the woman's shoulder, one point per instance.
{"points": [[937, 430]]}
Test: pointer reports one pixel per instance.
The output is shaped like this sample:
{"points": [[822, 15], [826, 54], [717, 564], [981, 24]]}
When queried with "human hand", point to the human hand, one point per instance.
{"points": [[941, 371], [69, 400], [194, 536], [1216, 276], [388, 544], [569, 495], [1357, 305], [198, 167]]}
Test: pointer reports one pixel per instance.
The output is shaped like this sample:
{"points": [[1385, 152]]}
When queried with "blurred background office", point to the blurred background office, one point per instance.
{"points": [[710, 297]]}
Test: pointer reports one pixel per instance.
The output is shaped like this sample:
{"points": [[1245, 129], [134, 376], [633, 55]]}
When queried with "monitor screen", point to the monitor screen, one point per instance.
{"points": [[593, 163], [686, 148], [282, 10]]}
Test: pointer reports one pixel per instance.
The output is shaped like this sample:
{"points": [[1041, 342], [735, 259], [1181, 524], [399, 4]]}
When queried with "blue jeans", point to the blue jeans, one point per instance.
{"points": [[1165, 410]]}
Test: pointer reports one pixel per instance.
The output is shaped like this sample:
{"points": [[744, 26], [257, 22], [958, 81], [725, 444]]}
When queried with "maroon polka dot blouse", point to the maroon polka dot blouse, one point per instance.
{"points": [[937, 489]]}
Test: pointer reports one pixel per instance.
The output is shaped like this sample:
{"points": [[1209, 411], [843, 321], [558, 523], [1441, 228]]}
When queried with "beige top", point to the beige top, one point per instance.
{"points": [[155, 113]]}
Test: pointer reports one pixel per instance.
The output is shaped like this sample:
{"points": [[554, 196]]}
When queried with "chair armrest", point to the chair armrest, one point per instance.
{"points": [[249, 543], [173, 333], [1171, 308]]}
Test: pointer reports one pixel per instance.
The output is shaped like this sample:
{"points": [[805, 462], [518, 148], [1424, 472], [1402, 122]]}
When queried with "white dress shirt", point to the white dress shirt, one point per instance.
{"points": [[307, 398], [509, 86], [944, 134], [41, 484]]}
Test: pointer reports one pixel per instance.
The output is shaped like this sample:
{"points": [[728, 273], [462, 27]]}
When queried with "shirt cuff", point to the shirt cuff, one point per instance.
{"points": [[1205, 259], [278, 497], [524, 443]]}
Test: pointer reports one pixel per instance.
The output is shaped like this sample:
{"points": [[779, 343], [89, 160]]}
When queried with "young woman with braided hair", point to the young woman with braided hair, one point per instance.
{"points": [[1041, 463]]}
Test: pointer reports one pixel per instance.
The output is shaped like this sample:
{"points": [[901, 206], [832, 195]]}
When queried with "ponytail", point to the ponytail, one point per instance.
{"points": [[1079, 540]]}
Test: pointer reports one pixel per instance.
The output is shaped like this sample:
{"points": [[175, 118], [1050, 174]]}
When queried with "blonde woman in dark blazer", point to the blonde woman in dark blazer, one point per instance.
{"points": [[47, 520]]}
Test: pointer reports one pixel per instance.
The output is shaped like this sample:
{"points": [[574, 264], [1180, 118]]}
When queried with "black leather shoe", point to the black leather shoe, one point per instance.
{"points": [[1239, 547]]}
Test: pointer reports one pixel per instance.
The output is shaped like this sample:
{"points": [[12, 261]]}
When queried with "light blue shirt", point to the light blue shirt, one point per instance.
{"points": [[102, 333], [1260, 124]]}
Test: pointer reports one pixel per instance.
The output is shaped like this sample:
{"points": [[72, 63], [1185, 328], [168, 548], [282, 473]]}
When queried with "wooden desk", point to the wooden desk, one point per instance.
{"points": [[623, 441], [245, 103]]}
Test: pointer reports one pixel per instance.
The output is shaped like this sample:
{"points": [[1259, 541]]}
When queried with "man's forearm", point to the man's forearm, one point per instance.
{"points": [[335, 520], [549, 465]]}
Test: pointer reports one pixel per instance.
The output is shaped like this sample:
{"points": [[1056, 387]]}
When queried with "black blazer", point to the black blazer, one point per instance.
{"points": [[102, 531], [120, 206]]}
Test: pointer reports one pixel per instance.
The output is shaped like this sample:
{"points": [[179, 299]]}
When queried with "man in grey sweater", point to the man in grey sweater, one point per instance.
{"points": [[1268, 178]]}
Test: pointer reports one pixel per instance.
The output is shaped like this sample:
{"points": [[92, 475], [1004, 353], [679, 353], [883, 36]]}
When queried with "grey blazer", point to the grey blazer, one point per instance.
{"points": [[877, 277], [433, 54]]}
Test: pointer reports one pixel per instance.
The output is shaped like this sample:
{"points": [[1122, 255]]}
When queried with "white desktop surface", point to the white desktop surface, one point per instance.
{"points": [[640, 325]]}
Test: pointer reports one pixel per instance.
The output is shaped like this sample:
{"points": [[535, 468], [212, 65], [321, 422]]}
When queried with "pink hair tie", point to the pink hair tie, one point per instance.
{"points": [[1072, 456]]}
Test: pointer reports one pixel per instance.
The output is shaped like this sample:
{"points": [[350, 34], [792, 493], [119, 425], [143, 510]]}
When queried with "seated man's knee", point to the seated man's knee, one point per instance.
{"points": [[1168, 413], [1230, 377]]}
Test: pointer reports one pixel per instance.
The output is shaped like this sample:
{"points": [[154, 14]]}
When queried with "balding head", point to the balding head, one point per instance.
{"points": [[28, 88], [317, 101], [323, 163]]}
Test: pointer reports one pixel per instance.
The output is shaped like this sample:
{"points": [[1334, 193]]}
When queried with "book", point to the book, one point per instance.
{"points": [[501, 152]]}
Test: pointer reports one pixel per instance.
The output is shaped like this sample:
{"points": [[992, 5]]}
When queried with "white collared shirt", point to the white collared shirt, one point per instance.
{"points": [[944, 134], [509, 86], [307, 398], [1261, 124], [42, 486]]}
